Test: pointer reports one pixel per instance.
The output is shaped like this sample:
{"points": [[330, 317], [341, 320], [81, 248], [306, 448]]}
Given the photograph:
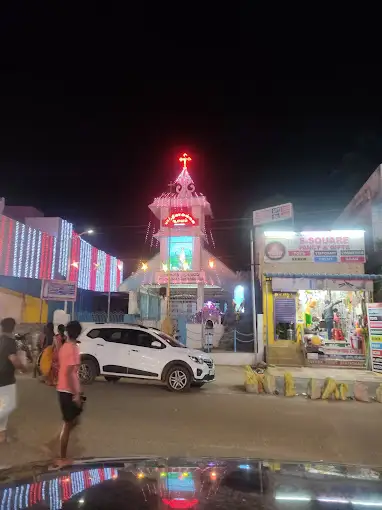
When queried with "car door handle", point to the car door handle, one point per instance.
{"points": [[100, 345], [135, 350]]}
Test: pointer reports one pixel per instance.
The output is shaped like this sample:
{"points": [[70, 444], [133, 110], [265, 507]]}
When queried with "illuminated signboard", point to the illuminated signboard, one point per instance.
{"points": [[180, 219]]}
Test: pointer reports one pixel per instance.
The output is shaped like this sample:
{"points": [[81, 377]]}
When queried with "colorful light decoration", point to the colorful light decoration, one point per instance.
{"points": [[30, 253], [211, 263], [144, 266]]}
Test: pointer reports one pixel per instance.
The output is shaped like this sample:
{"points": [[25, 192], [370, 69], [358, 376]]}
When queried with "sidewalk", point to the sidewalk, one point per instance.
{"points": [[228, 378]]}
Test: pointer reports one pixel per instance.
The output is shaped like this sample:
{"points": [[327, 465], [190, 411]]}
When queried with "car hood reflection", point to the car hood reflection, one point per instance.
{"points": [[205, 483]]}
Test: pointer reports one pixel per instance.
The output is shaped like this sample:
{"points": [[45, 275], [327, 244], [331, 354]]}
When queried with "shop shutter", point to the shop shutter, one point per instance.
{"points": [[285, 310]]}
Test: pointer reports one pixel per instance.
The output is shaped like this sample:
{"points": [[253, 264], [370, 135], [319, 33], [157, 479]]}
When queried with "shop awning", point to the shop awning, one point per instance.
{"points": [[325, 276]]}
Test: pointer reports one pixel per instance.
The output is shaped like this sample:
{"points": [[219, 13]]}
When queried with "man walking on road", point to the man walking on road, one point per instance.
{"points": [[9, 361], [68, 385]]}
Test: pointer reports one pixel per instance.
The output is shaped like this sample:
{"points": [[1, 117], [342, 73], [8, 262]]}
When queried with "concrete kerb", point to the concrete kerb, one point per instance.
{"points": [[233, 377], [349, 377]]}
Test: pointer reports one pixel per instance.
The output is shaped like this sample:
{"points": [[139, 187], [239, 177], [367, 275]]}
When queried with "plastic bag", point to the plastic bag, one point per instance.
{"points": [[250, 375], [342, 391], [361, 392], [251, 382], [289, 387], [314, 389], [269, 383], [260, 382], [330, 387], [378, 394], [251, 388]]}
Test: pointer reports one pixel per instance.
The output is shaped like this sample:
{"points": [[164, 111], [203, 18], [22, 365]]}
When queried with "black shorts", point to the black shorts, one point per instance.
{"points": [[69, 409]]}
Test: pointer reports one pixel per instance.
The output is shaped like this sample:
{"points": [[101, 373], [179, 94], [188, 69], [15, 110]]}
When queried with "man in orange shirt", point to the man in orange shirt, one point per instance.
{"points": [[68, 385]]}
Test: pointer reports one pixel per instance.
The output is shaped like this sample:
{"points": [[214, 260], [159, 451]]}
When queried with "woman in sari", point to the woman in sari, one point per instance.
{"points": [[58, 341]]}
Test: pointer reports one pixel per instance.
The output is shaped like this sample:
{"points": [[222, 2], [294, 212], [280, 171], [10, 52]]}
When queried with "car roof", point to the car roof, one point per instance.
{"points": [[123, 325]]}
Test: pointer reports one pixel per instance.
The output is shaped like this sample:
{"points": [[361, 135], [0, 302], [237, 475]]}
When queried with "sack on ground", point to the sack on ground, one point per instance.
{"points": [[314, 389], [330, 387], [342, 391], [361, 392], [250, 375], [378, 394], [269, 383], [289, 387], [260, 381], [252, 388]]}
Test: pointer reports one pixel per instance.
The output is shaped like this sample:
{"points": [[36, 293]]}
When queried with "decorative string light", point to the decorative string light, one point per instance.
{"points": [[21, 249], [212, 239], [53, 272], [147, 231], [38, 254], [15, 248], [2, 225], [33, 253], [8, 255], [28, 253]]}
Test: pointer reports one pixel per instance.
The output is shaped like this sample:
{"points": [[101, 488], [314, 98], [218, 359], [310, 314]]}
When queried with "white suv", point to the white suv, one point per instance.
{"points": [[116, 351]]}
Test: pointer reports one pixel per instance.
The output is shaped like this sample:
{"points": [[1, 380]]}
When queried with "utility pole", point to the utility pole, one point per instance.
{"points": [[253, 283]]}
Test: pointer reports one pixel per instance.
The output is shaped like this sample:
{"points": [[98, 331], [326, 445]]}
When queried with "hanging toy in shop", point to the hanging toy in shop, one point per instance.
{"points": [[312, 303]]}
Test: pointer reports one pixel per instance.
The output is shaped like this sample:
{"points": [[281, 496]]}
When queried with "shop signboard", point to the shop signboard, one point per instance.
{"points": [[272, 214], [180, 219], [180, 277], [374, 318], [294, 284], [328, 246], [58, 290]]}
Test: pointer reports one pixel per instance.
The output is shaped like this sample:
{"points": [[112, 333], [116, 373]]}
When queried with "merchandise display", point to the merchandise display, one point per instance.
{"points": [[332, 325]]}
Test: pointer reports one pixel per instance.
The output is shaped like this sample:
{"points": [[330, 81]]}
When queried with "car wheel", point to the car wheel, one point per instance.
{"points": [[197, 384], [87, 371], [112, 378], [178, 379]]}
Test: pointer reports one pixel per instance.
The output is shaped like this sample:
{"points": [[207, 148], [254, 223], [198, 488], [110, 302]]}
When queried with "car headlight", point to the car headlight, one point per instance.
{"points": [[196, 359]]}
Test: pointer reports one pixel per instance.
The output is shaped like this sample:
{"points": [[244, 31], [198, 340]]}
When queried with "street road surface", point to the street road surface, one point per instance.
{"points": [[128, 419]]}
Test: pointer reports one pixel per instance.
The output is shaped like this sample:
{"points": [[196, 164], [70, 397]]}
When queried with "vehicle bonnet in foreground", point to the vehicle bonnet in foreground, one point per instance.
{"points": [[206, 483]]}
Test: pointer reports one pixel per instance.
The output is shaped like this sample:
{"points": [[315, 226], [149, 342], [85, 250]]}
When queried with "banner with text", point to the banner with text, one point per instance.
{"points": [[271, 214], [180, 277], [315, 247], [58, 290], [374, 318]]}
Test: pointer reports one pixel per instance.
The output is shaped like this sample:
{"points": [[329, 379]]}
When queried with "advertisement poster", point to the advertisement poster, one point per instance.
{"points": [[315, 247], [374, 319], [180, 253]]}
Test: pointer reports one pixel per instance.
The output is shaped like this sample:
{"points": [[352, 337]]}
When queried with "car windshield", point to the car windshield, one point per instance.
{"points": [[170, 340]]}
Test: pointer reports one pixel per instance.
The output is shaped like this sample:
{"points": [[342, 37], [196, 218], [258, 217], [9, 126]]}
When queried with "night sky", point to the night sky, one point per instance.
{"points": [[97, 106]]}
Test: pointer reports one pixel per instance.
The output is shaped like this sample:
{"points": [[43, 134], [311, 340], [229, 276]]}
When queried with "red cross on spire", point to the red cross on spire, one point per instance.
{"points": [[184, 159]]}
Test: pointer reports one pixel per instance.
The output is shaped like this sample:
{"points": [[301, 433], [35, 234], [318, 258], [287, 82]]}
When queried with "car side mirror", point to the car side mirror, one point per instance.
{"points": [[156, 345]]}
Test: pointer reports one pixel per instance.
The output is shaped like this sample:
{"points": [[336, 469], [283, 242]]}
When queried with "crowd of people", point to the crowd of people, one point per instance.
{"points": [[59, 361]]}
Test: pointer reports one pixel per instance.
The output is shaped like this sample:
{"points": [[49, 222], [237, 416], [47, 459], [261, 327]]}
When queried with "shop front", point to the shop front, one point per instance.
{"points": [[325, 314]]}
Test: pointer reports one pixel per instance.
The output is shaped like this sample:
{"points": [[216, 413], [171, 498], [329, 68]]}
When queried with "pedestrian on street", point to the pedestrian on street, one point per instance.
{"points": [[9, 362], [68, 385], [46, 338], [58, 342]]}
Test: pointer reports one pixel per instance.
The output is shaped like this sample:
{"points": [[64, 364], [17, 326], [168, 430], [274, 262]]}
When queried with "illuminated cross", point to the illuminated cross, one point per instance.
{"points": [[184, 159]]}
